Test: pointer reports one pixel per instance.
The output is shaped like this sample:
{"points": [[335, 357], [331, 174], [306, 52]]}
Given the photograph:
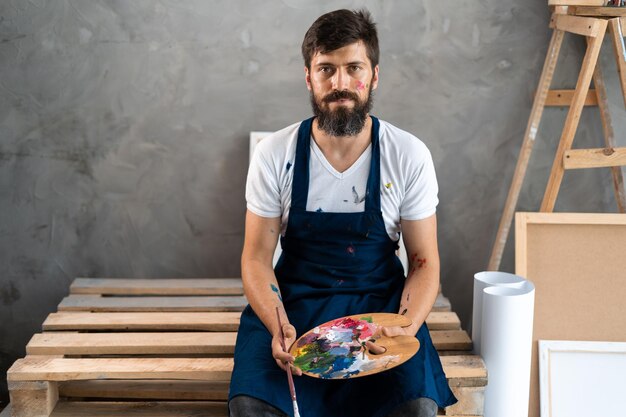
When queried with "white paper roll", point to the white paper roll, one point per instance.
{"points": [[484, 280], [506, 342]]}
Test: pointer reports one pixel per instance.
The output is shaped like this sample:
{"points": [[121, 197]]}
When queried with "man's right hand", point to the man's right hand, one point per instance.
{"points": [[284, 359]]}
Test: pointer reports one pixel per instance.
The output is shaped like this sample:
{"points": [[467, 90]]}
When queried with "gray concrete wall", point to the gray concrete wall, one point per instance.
{"points": [[124, 131]]}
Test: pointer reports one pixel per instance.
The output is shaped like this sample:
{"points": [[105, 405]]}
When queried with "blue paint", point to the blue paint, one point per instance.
{"points": [[288, 165], [319, 210], [357, 199], [276, 291]]}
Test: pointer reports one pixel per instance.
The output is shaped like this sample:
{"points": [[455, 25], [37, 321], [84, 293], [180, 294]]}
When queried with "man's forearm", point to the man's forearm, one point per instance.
{"points": [[263, 294], [420, 290]]}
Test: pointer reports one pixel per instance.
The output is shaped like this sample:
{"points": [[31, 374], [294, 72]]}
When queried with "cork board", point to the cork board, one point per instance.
{"points": [[577, 262]]}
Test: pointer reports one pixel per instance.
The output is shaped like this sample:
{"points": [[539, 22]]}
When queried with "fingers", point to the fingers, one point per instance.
{"points": [[289, 331], [393, 331], [374, 348], [284, 359]]}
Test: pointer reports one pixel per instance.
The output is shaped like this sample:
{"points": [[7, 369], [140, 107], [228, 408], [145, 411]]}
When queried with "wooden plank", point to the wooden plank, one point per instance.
{"points": [[161, 389], [451, 340], [609, 134], [471, 400], [185, 321], [464, 370], [32, 398], [141, 409], [527, 146], [135, 286], [594, 158], [573, 117], [469, 397], [63, 369], [599, 11], [177, 343], [151, 409], [201, 321], [461, 370], [88, 302], [576, 2], [585, 26], [619, 50], [563, 98]]}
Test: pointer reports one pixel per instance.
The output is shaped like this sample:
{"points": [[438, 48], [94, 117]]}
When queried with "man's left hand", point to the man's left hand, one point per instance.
{"points": [[390, 331]]}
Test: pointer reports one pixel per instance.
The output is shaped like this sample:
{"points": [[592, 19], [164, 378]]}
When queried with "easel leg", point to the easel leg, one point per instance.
{"points": [[527, 146], [573, 117], [620, 52], [609, 135]]}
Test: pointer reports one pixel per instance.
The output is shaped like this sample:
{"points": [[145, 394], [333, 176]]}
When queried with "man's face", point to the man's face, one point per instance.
{"points": [[341, 83]]}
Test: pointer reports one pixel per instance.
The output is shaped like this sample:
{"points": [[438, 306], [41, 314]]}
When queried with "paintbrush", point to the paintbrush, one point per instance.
{"points": [[292, 388]]}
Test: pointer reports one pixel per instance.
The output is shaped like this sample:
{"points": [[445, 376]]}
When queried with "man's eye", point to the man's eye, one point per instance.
{"points": [[354, 68], [325, 69]]}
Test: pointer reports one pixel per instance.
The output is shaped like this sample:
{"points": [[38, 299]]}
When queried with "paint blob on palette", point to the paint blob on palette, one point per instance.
{"points": [[336, 349]]}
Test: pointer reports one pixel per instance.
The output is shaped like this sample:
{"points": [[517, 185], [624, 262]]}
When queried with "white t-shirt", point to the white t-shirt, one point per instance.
{"points": [[408, 184]]}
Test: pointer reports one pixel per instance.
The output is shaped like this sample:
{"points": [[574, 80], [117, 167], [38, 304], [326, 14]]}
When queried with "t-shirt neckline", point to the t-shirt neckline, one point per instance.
{"points": [[327, 165]]}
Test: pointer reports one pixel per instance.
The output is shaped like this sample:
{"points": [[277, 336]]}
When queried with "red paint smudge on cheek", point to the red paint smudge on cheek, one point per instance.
{"points": [[360, 85]]}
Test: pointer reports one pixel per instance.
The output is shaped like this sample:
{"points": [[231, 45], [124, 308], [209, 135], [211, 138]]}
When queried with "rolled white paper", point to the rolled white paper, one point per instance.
{"points": [[484, 280], [506, 348]]}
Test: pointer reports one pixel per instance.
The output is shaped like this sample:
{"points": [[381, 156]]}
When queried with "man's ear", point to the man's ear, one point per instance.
{"points": [[307, 78], [375, 78]]}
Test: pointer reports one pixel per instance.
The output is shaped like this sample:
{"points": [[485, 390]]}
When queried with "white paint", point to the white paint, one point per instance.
{"points": [[533, 133], [579, 378]]}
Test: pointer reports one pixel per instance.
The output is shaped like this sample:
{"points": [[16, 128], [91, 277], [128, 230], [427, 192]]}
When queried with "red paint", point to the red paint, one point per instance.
{"points": [[360, 85], [351, 250], [420, 262]]}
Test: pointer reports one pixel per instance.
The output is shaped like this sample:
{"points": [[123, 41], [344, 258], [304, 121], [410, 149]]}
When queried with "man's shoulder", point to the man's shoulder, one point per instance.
{"points": [[278, 142], [392, 137]]}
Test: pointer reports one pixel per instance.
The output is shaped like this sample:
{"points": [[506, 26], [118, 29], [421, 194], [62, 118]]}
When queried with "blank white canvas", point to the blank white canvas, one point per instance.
{"points": [[582, 378]]}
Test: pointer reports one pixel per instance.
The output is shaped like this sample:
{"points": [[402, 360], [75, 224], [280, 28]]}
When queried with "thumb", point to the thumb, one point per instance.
{"points": [[289, 332], [393, 331]]}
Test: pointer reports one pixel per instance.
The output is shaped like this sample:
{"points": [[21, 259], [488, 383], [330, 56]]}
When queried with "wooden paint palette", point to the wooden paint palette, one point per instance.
{"points": [[336, 349]]}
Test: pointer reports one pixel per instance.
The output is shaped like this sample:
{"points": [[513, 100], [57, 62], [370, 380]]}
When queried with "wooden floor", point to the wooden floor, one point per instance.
{"points": [[164, 347]]}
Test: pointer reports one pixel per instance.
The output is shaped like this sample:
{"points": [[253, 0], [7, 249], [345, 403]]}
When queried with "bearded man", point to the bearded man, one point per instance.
{"points": [[340, 189]]}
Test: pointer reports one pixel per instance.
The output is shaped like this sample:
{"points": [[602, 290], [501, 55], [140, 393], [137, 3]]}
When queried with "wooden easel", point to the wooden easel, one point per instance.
{"points": [[581, 17]]}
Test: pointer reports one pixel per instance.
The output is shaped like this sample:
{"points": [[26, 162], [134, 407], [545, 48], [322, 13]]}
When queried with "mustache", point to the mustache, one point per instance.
{"points": [[338, 95]]}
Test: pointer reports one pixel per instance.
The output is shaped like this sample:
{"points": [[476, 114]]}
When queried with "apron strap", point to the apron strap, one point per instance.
{"points": [[372, 193], [300, 186]]}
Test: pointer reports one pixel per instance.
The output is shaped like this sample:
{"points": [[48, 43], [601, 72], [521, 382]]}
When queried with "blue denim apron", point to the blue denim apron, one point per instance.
{"points": [[334, 265]]}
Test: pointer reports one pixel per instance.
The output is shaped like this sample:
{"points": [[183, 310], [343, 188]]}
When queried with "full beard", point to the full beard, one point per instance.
{"points": [[342, 121]]}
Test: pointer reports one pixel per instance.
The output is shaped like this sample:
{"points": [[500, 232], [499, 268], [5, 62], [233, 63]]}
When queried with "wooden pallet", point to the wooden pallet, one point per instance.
{"points": [[136, 347]]}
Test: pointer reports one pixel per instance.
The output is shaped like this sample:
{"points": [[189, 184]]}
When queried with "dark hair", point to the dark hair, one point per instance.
{"points": [[337, 29]]}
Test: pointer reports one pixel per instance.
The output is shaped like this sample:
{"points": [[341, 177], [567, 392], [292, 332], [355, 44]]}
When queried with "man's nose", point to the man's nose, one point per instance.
{"points": [[341, 80]]}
